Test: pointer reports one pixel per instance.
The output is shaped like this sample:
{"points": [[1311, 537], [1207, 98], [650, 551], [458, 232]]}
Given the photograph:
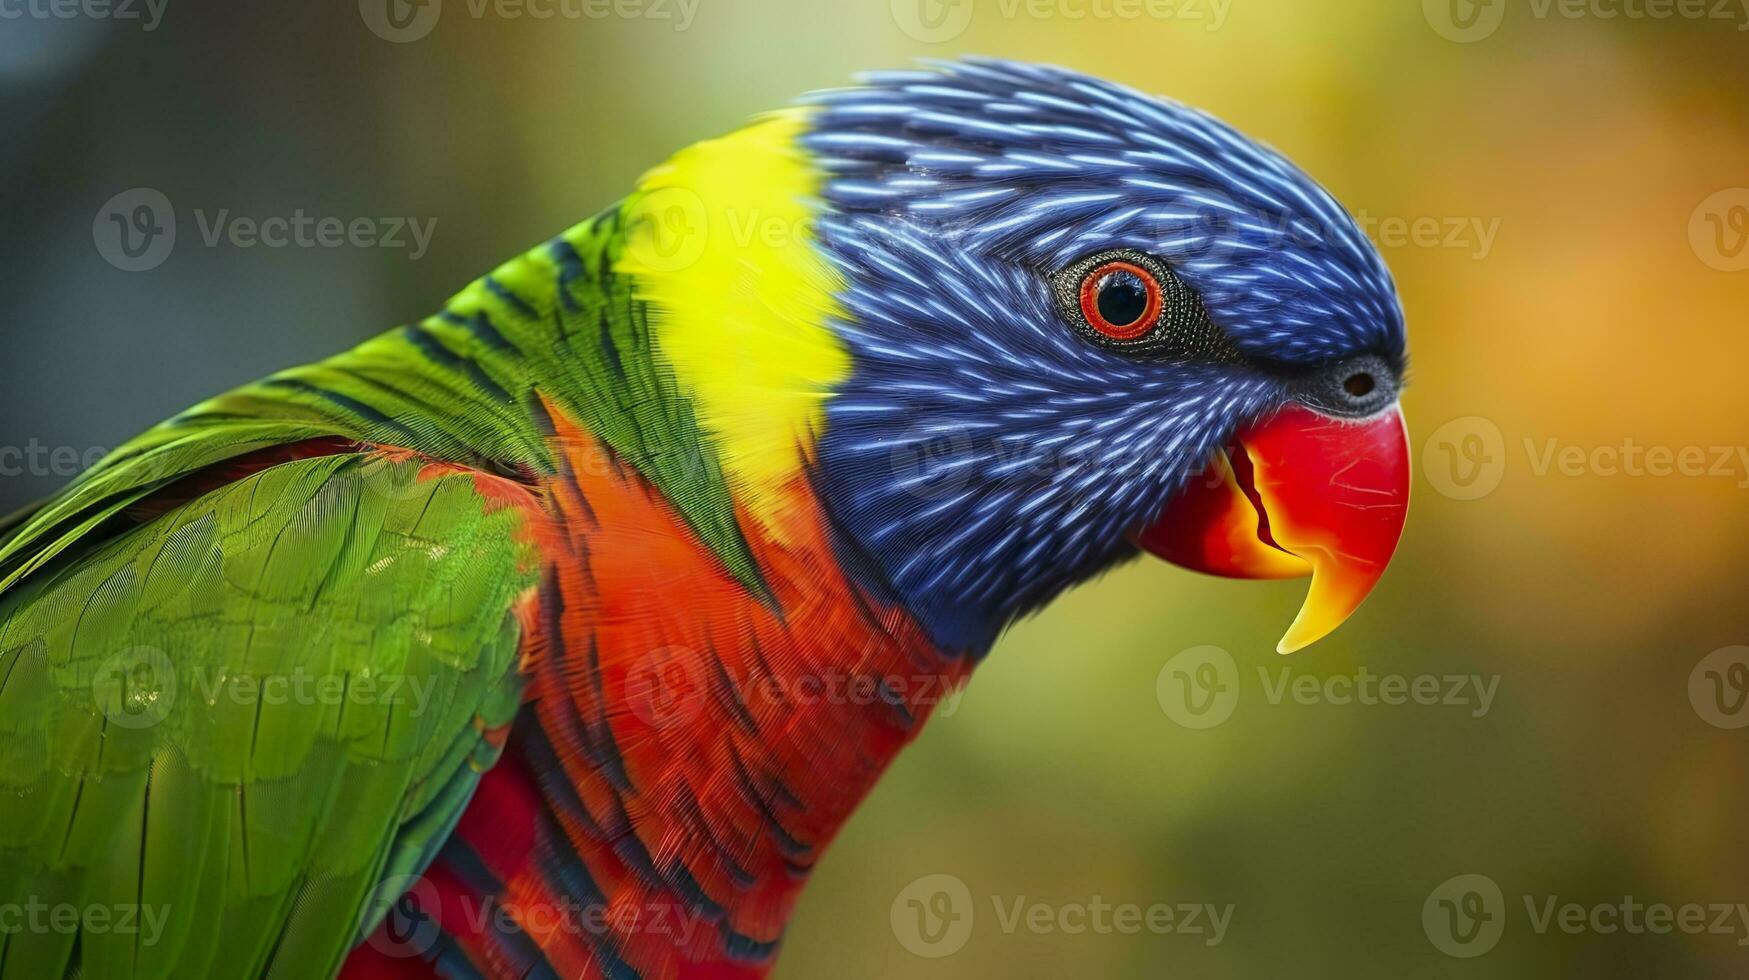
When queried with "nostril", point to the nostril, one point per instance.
{"points": [[1360, 384]]}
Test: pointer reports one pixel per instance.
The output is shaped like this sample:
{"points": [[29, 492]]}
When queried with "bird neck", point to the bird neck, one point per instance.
{"points": [[686, 752]]}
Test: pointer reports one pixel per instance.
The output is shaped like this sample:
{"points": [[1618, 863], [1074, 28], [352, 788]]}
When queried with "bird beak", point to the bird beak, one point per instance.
{"points": [[1298, 494]]}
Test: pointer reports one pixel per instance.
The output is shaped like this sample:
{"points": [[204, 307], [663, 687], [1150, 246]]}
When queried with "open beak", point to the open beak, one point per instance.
{"points": [[1298, 494]]}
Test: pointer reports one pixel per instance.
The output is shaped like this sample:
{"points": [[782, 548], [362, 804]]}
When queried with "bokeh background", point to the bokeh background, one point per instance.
{"points": [[1560, 192]]}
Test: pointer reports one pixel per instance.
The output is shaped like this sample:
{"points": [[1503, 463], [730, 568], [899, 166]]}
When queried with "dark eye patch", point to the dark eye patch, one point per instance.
{"points": [[1129, 301]]}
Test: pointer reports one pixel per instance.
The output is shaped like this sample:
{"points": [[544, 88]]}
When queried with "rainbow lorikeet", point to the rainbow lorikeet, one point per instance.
{"points": [[555, 635]]}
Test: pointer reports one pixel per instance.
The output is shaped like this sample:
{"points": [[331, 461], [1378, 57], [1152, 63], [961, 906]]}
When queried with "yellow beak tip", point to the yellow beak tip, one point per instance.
{"points": [[1308, 627], [1291, 643]]}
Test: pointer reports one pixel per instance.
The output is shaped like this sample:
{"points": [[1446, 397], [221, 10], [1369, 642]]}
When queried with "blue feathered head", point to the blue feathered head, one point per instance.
{"points": [[1064, 298]]}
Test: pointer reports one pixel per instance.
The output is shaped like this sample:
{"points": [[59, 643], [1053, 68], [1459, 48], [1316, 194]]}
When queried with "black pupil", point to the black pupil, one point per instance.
{"points": [[1123, 298], [1359, 385]]}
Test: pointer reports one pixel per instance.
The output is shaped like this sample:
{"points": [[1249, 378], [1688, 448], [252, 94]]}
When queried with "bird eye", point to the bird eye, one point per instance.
{"points": [[1359, 384], [1121, 300], [1132, 302]]}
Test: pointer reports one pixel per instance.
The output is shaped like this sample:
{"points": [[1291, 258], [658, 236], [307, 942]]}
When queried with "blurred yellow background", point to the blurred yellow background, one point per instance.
{"points": [[1554, 189]]}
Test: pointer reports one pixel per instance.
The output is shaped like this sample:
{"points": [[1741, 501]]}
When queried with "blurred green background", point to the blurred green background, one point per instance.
{"points": [[1575, 281]]}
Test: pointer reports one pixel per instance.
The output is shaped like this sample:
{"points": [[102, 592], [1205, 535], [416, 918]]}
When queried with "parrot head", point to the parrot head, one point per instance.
{"points": [[1016, 325], [1085, 322]]}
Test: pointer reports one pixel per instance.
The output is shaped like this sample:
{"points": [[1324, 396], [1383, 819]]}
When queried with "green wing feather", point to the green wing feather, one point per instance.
{"points": [[145, 765], [466, 385], [155, 755]]}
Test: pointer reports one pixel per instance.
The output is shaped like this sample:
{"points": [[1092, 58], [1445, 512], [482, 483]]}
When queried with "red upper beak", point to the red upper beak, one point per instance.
{"points": [[1299, 494]]}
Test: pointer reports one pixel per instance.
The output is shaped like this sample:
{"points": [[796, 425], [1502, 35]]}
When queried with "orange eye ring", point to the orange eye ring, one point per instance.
{"points": [[1093, 285]]}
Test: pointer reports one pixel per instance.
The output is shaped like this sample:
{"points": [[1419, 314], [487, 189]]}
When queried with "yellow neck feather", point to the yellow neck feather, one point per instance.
{"points": [[720, 243]]}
